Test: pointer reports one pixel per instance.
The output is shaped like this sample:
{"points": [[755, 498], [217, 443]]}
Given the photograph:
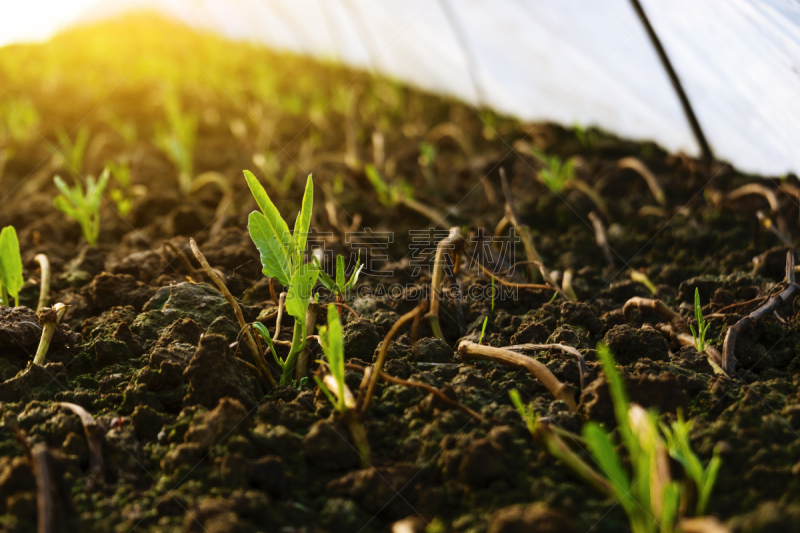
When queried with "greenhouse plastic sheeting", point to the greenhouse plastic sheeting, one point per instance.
{"points": [[586, 62]]}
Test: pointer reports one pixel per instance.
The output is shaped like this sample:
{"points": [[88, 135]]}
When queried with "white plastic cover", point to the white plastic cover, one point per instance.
{"points": [[586, 62]]}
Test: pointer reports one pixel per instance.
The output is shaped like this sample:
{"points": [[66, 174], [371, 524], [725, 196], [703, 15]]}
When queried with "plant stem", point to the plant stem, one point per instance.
{"points": [[437, 281], [469, 351], [562, 452], [359, 435], [378, 367], [44, 289], [258, 357], [298, 345], [302, 360], [49, 319]]}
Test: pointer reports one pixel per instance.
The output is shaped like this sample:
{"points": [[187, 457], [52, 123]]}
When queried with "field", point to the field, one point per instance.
{"points": [[555, 242]]}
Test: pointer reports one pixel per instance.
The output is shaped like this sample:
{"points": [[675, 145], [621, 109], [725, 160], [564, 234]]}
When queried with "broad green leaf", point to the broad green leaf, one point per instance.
{"points": [[10, 262], [605, 455], [340, 279], [273, 255], [271, 214], [300, 289], [303, 222]]}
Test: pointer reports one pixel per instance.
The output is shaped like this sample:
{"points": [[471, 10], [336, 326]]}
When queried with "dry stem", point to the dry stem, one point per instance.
{"points": [[248, 336], [640, 168], [600, 238], [44, 289], [44, 493], [424, 386], [564, 348], [378, 367], [469, 351], [49, 319], [437, 281], [729, 347], [94, 436]]}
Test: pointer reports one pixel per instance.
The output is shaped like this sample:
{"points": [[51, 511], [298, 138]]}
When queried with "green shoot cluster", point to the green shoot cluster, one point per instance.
{"points": [[332, 342], [341, 285], [282, 255], [83, 206], [699, 335], [652, 500], [555, 173]]}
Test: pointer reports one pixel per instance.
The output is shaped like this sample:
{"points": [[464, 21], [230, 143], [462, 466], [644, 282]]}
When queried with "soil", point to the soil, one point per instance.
{"points": [[194, 442]]}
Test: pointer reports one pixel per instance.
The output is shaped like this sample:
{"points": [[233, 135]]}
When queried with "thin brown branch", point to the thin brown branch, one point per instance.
{"points": [[584, 374], [635, 164], [656, 306], [405, 319], [600, 238], [424, 386], [44, 492], [94, 437], [448, 244], [515, 285], [258, 357], [469, 351], [729, 347]]}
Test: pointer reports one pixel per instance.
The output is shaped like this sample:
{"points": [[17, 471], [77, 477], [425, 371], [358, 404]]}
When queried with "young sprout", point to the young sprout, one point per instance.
{"points": [[341, 285], [83, 207], [333, 386], [651, 499], [559, 176], [680, 449], [178, 139], [269, 167], [10, 266], [555, 173], [49, 317], [122, 194], [486, 320], [699, 336], [282, 256], [391, 195], [74, 150]]}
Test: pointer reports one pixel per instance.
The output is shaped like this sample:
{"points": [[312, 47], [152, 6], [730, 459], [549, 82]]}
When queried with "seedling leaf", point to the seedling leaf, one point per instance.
{"points": [[10, 263], [340, 279], [271, 214], [273, 253], [303, 221], [300, 288]]}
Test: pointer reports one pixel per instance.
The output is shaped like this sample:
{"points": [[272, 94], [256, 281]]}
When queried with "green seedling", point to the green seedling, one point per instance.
{"points": [[10, 266], [680, 449], [122, 194], [178, 139], [341, 285], [699, 335], [651, 499], [83, 206], [486, 320], [73, 152], [333, 385], [269, 167], [555, 173], [560, 175], [401, 193], [389, 194], [282, 256]]}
